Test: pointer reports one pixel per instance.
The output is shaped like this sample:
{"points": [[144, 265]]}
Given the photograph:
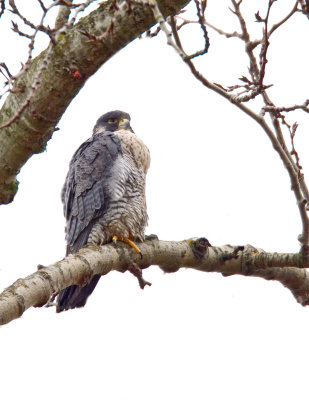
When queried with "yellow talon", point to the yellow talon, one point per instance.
{"points": [[129, 242], [133, 245]]}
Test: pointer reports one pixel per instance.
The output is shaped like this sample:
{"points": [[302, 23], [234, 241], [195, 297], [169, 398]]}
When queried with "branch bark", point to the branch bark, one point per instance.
{"points": [[36, 289], [71, 62]]}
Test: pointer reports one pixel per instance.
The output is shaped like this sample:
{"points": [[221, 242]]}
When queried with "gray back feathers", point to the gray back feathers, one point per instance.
{"points": [[85, 192]]}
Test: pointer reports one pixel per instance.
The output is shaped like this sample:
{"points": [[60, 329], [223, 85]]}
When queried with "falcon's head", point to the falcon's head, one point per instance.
{"points": [[112, 121]]}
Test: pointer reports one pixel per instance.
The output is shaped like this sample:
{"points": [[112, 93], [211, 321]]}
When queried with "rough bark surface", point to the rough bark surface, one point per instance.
{"points": [[71, 62], [38, 288]]}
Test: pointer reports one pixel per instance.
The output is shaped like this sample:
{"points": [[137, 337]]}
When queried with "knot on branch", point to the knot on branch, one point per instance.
{"points": [[199, 247], [233, 255]]}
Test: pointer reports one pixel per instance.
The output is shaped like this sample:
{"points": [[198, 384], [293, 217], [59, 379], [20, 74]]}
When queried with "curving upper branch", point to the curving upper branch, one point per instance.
{"points": [[43, 93]]}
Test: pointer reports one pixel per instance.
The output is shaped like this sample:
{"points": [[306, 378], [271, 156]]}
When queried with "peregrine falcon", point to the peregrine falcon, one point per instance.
{"points": [[104, 194]]}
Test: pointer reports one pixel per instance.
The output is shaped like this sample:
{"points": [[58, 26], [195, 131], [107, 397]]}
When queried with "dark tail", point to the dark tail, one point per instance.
{"points": [[75, 296]]}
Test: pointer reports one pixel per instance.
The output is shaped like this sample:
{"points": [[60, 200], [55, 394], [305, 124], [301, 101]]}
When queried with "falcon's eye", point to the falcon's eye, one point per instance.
{"points": [[112, 121]]}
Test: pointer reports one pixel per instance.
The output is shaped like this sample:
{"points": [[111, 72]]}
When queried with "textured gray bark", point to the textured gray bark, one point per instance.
{"points": [[74, 52], [36, 289]]}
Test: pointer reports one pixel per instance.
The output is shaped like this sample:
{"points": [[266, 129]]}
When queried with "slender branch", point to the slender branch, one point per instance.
{"points": [[287, 17], [294, 152], [161, 21], [228, 35], [40, 26], [175, 32], [256, 42], [253, 69], [265, 45], [37, 289], [304, 107], [200, 10], [80, 8]]}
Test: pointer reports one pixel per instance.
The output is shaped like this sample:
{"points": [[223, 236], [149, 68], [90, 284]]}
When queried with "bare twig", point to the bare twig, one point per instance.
{"points": [[4, 66], [40, 26], [280, 23], [253, 68], [175, 32], [228, 35], [265, 44], [154, 33], [19, 32], [169, 36], [78, 9], [294, 152], [200, 10], [304, 107], [254, 43], [42, 5], [36, 82]]}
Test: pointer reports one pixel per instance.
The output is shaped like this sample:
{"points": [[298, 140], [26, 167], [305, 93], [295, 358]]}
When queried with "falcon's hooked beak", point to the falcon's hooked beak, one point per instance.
{"points": [[125, 124]]}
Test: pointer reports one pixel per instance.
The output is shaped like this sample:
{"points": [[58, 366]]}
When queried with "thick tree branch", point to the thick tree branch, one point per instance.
{"points": [[71, 62], [38, 288]]}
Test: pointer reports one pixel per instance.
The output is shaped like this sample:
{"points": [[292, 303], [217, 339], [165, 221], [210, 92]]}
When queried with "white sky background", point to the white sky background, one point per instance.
{"points": [[191, 335]]}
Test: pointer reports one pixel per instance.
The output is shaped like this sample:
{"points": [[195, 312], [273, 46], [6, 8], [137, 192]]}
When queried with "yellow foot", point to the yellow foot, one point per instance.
{"points": [[129, 242]]}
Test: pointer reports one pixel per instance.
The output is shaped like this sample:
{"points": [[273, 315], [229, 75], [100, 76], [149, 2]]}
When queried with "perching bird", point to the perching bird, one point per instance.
{"points": [[104, 194]]}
